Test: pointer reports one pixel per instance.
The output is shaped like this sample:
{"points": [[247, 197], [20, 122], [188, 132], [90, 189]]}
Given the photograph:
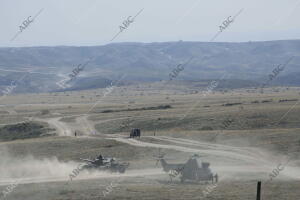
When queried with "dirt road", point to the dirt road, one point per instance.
{"points": [[228, 161]]}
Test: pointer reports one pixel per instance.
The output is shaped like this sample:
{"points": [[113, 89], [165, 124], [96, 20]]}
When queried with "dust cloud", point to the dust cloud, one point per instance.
{"points": [[28, 169]]}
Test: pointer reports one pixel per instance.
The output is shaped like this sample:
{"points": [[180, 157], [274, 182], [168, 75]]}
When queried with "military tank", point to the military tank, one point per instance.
{"points": [[104, 164]]}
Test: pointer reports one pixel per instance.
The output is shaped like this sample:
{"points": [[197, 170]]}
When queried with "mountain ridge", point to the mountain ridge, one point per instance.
{"points": [[250, 61]]}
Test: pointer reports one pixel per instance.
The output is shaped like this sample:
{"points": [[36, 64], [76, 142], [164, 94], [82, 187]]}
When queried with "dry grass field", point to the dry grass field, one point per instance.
{"points": [[243, 133]]}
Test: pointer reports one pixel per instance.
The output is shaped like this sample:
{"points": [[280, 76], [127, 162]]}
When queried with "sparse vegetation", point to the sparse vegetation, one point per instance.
{"points": [[286, 100], [231, 104], [22, 131], [210, 122], [161, 107], [267, 101]]}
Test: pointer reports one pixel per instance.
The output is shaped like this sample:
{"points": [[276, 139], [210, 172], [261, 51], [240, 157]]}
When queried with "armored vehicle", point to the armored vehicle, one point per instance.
{"points": [[135, 132], [105, 164]]}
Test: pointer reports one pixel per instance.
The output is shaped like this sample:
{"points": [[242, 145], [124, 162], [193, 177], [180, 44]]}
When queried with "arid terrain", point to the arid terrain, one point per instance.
{"points": [[244, 135], [149, 100]]}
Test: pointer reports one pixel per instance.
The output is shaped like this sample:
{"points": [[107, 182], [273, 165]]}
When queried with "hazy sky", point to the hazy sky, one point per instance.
{"points": [[95, 22]]}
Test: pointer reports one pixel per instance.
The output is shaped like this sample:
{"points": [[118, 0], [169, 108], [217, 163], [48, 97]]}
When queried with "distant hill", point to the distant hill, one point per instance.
{"points": [[288, 80], [250, 61]]}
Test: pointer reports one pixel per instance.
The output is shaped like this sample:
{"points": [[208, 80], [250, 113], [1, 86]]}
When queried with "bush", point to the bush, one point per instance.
{"points": [[285, 100], [21, 131], [231, 104], [267, 101]]}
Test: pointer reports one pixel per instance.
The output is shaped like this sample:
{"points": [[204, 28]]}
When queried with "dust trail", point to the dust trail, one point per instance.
{"points": [[260, 155], [12, 167], [84, 175], [232, 162], [221, 153], [62, 128], [28, 169], [86, 125]]}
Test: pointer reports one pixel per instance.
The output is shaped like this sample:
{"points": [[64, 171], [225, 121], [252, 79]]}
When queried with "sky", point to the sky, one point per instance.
{"points": [[96, 22]]}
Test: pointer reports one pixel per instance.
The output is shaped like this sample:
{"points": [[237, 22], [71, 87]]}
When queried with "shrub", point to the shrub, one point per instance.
{"points": [[231, 104]]}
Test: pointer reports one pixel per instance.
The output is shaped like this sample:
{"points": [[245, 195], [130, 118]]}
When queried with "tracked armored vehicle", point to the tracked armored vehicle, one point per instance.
{"points": [[105, 164]]}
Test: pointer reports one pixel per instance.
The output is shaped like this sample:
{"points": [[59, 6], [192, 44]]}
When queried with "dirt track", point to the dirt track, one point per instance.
{"points": [[239, 167], [228, 161]]}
